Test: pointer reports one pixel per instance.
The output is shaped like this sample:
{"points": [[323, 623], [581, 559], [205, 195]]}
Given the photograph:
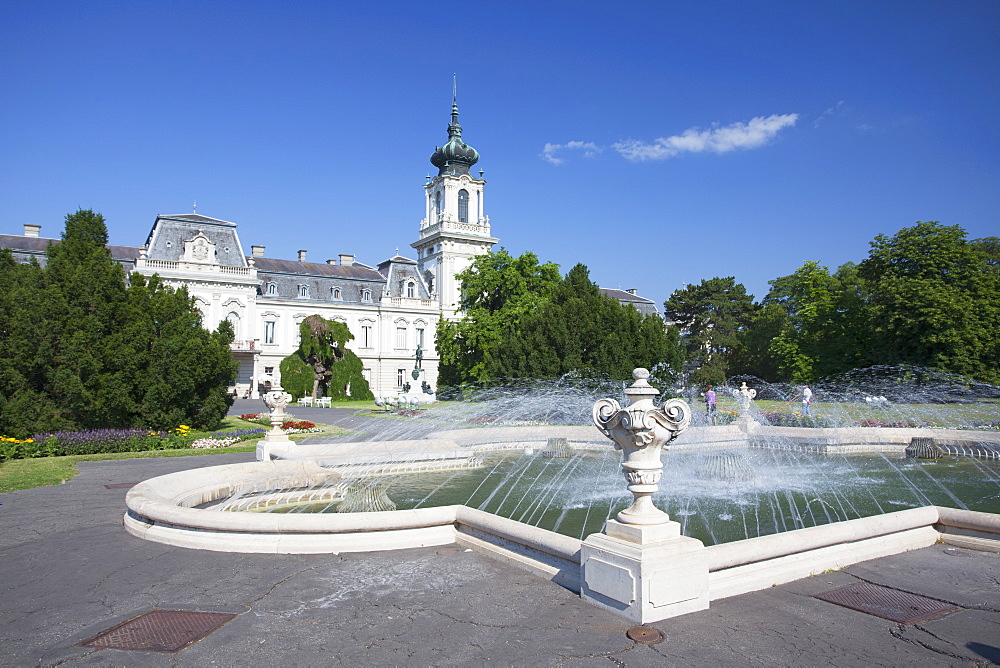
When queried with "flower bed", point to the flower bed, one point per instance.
{"points": [[93, 441]]}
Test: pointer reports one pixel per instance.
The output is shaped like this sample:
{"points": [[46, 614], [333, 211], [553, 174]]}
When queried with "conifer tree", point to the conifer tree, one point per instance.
{"points": [[84, 350]]}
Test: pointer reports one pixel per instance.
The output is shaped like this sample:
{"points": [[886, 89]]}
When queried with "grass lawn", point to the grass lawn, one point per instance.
{"points": [[934, 415]]}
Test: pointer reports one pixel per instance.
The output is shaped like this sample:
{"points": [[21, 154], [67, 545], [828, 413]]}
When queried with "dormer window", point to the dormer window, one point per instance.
{"points": [[304, 291], [271, 289], [366, 295], [410, 289], [463, 206], [335, 293]]}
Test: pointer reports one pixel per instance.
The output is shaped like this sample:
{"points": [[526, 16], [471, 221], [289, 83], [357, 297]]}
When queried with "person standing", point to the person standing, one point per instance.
{"points": [[710, 404], [807, 397]]}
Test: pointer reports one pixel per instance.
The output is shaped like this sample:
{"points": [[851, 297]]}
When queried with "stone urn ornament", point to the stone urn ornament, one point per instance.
{"points": [[642, 431], [276, 399], [745, 395]]}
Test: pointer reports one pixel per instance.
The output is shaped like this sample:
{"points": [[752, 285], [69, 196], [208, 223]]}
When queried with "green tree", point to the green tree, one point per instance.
{"points": [[88, 288], [579, 329], [335, 370], [710, 317], [933, 301], [27, 349], [498, 290], [990, 246], [182, 370], [755, 356], [821, 333], [83, 350]]}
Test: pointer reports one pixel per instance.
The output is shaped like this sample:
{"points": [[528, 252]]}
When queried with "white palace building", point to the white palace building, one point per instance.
{"points": [[390, 308]]}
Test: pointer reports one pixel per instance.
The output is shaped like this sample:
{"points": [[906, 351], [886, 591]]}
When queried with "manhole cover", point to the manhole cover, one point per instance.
{"points": [[896, 606], [645, 635], [121, 485], [447, 551], [159, 631], [952, 552]]}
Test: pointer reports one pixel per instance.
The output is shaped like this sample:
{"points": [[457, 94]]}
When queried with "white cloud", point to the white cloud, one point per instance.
{"points": [[756, 132], [590, 150], [835, 109]]}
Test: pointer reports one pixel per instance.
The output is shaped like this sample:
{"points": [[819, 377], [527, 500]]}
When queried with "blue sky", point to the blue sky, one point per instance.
{"points": [[659, 143]]}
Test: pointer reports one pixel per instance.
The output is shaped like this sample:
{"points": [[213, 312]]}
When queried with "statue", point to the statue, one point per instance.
{"points": [[420, 357]]}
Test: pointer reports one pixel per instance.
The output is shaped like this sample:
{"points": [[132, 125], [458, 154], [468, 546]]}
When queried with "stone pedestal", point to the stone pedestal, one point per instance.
{"points": [[646, 573]]}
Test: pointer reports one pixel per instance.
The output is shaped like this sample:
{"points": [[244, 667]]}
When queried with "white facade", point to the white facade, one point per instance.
{"points": [[389, 310]]}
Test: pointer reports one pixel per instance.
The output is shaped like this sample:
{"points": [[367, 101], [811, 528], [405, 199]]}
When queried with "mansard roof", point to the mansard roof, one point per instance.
{"points": [[196, 218], [16, 242], [38, 246], [624, 297], [358, 273], [397, 272]]}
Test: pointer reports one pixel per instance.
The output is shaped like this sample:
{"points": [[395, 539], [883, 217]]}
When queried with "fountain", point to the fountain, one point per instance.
{"points": [[771, 501]]}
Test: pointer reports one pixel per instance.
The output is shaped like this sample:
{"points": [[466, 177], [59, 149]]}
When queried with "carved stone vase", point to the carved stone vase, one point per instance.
{"points": [[745, 395], [276, 400], [642, 431]]}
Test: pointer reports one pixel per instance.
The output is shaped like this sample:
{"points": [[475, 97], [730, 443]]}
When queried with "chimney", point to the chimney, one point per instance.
{"points": [[632, 291], [331, 262], [346, 260], [302, 256], [257, 251], [31, 230]]}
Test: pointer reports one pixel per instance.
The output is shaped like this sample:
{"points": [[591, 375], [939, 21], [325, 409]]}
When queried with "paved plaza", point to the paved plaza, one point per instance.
{"points": [[68, 571]]}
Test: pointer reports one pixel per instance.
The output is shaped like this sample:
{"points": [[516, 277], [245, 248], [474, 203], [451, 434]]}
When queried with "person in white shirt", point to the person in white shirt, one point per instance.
{"points": [[807, 397]]}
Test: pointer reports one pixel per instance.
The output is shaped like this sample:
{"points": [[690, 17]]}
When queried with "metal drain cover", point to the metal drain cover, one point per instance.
{"points": [[896, 606], [159, 631], [644, 635]]}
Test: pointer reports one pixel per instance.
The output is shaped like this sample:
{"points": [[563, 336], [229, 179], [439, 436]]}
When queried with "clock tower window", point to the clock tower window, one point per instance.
{"points": [[463, 206]]}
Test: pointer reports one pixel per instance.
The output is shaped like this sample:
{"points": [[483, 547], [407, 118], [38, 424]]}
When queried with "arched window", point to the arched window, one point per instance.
{"points": [[410, 289], [463, 206], [335, 293], [437, 203], [303, 291], [234, 320], [366, 295], [271, 289]]}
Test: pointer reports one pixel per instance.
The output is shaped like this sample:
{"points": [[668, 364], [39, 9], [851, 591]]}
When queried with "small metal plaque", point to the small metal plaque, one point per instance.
{"points": [[896, 606], [160, 631]]}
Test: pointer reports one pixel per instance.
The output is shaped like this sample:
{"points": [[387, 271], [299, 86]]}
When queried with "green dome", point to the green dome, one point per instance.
{"points": [[455, 157]]}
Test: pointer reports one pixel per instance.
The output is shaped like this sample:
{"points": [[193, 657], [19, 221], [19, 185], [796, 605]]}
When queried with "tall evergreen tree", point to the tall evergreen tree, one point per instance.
{"points": [[710, 317], [83, 350], [86, 297], [183, 369], [580, 329]]}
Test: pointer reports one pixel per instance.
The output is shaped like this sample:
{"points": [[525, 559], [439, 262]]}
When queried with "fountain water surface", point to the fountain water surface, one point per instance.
{"points": [[528, 453]]}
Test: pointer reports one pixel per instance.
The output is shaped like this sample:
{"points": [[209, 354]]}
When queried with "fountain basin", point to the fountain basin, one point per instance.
{"points": [[161, 510]]}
